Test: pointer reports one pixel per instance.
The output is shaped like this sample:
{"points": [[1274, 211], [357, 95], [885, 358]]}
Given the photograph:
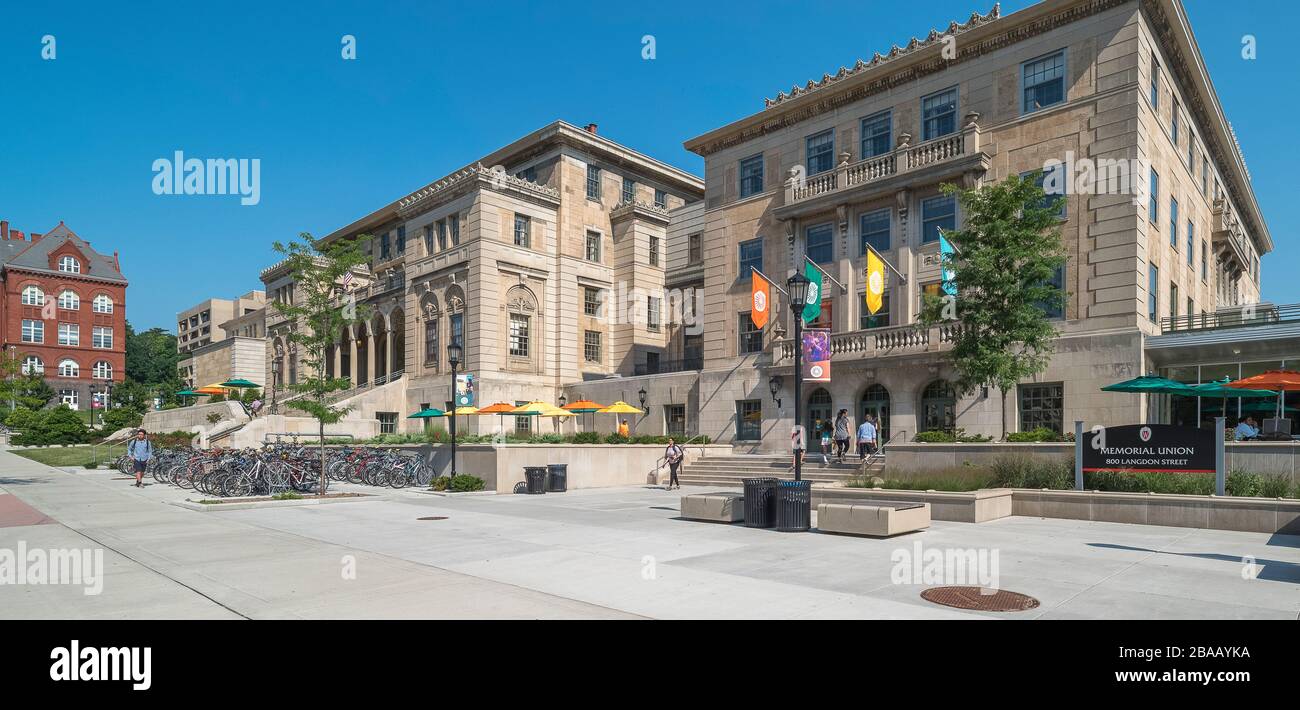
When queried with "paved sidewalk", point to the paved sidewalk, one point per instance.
{"points": [[162, 561]]}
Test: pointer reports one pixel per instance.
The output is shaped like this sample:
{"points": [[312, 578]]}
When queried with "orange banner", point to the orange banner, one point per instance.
{"points": [[759, 300]]}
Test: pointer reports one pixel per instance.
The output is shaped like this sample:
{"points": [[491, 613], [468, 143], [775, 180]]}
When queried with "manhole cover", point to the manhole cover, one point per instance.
{"points": [[434, 517], [971, 599]]}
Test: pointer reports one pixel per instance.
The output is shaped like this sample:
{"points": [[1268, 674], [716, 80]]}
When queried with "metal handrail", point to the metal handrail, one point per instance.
{"points": [[1242, 317], [659, 463]]}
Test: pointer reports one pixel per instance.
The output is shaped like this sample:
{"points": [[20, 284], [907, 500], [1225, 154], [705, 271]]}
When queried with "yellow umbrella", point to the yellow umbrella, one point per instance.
{"points": [[464, 410], [619, 407], [534, 408]]}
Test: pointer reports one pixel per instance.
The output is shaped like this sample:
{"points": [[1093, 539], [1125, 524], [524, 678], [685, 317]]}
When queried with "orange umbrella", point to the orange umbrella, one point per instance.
{"points": [[500, 408], [583, 406], [1281, 380]]}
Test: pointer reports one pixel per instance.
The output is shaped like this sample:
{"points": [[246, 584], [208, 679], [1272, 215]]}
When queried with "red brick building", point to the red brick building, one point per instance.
{"points": [[64, 312]]}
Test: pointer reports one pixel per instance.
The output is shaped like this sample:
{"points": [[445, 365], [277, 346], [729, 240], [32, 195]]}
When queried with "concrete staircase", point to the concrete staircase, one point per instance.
{"points": [[729, 470]]}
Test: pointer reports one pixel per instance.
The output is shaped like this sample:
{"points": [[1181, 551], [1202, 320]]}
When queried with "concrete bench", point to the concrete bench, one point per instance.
{"points": [[875, 518], [714, 507]]}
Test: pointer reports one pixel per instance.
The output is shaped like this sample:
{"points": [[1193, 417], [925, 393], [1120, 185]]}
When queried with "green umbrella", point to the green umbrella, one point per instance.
{"points": [[1221, 390], [1151, 384], [238, 383], [428, 413], [188, 393]]}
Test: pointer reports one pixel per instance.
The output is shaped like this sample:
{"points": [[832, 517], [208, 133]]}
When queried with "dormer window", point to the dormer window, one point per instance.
{"points": [[69, 265]]}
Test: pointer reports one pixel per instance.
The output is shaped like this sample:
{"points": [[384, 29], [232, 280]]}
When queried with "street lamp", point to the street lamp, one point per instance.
{"points": [[798, 287], [563, 401], [453, 359], [774, 386], [275, 377], [641, 396]]}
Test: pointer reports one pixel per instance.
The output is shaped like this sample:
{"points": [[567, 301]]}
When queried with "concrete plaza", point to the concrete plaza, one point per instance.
{"points": [[596, 553]]}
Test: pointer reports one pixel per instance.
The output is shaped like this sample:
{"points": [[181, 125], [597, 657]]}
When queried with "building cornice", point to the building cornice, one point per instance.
{"points": [[639, 209], [473, 178]]}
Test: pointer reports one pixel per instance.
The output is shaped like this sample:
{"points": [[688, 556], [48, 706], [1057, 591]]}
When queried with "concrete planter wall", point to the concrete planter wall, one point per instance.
{"points": [[957, 506], [501, 466]]}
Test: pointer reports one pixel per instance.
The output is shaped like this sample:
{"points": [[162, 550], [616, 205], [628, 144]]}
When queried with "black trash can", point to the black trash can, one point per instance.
{"points": [[535, 476], [794, 506], [557, 477], [760, 502]]}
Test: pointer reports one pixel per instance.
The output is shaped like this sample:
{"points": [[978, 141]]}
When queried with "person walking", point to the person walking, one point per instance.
{"points": [[825, 428], [798, 443], [256, 406], [866, 437], [843, 425], [674, 455], [140, 450]]}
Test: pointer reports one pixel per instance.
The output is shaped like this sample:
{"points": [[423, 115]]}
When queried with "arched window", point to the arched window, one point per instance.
{"points": [[103, 304], [938, 407], [103, 370], [69, 264], [69, 368], [875, 401], [69, 300], [819, 411], [33, 296], [33, 365]]}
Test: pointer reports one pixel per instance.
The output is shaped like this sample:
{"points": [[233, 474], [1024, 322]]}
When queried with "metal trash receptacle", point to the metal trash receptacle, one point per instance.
{"points": [[794, 506], [760, 502], [557, 477], [535, 476]]}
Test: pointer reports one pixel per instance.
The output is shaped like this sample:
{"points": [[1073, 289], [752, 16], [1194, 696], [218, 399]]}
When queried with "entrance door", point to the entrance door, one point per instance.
{"points": [[875, 401], [819, 410]]}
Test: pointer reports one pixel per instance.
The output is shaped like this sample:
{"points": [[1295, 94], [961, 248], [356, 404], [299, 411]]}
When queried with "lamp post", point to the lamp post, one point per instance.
{"points": [[93, 391], [275, 375], [798, 287], [453, 359]]}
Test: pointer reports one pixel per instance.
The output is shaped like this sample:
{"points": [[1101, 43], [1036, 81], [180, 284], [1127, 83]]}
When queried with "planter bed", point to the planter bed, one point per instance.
{"points": [[209, 504]]}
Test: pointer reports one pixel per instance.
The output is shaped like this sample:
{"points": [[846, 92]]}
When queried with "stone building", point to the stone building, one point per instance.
{"points": [[859, 156], [64, 312], [222, 339]]}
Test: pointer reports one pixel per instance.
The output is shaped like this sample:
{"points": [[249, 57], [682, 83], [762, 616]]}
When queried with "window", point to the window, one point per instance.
{"points": [[428, 241], [821, 243], [1191, 153], [591, 346], [442, 234], [1055, 308], [751, 255], [694, 249], [1191, 245], [629, 190], [593, 182], [101, 337], [454, 223], [518, 335], [1155, 83], [820, 152], [652, 363], [1173, 300], [751, 175], [69, 264], [751, 337], [1205, 175], [875, 230], [69, 301], [69, 368], [1044, 82], [33, 331], [69, 334], [825, 318], [1173, 223], [384, 247], [33, 365], [1042, 407], [654, 250], [880, 319], [1191, 308], [1052, 182], [675, 420], [749, 420], [69, 397], [591, 301], [939, 114], [661, 198], [103, 370], [431, 346], [1205, 262], [523, 425], [33, 296], [593, 246], [937, 213], [401, 239], [1173, 122], [1153, 295], [652, 313], [387, 422], [938, 407], [523, 230], [457, 325], [876, 134], [1153, 206]]}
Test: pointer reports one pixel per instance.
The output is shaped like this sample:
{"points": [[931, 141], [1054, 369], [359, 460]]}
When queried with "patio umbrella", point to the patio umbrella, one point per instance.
{"points": [[1150, 384], [1223, 390], [1281, 380], [239, 384], [556, 413], [620, 407], [428, 413], [500, 409], [583, 406]]}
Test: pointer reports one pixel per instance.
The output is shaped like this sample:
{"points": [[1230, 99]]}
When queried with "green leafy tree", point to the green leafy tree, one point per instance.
{"points": [[32, 391], [151, 356], [1009, 251], [132, 396], [318, 311], [120, 418], [60, 425]]}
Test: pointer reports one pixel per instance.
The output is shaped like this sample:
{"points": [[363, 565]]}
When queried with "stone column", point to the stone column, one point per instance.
{"points": [[352, 359], [370, 354], [338, 359], [389, 368]]}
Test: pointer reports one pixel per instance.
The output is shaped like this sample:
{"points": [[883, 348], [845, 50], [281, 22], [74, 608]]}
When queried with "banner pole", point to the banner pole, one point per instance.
{"points": [[843, 288], [1078, 454], [1220, 476], [902, 277], [769, 281]]}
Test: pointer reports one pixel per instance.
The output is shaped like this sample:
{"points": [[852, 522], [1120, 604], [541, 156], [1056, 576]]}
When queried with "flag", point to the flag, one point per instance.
{"points": [[758, 300], [813, 306], [875, 282], [946, 256]]}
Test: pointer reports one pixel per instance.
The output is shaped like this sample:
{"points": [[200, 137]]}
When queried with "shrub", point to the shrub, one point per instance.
{"points": [[21, 418], [586, 437], [287, 495], [1024, 472], [60, 425], [1040, 434], [1277, 487], [1241, 483], [934, 437], [121, 418], [617, 439], [463, 483], [90, 465], [439, 483]]}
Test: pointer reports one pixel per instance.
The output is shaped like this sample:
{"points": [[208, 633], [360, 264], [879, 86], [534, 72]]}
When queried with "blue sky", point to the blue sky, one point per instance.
{"points": [[436, 85]]}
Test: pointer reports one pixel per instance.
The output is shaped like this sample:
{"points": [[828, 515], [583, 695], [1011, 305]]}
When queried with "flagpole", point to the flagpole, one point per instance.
{"points": [[769, 281], [902, 277], [843, 288]]}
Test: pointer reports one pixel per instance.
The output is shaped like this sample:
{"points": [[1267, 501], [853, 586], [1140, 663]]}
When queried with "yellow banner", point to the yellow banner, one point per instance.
{"points": [[875, 282]]}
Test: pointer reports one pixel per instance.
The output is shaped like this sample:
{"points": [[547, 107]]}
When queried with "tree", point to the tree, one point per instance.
{"points": [[1009, 251], [316, 314], [11, 370], [132, 396], [31, 391], [151, 356]]}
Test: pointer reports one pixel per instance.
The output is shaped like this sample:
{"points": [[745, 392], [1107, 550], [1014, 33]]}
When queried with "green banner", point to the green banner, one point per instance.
{"points": [[813, 308]]}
